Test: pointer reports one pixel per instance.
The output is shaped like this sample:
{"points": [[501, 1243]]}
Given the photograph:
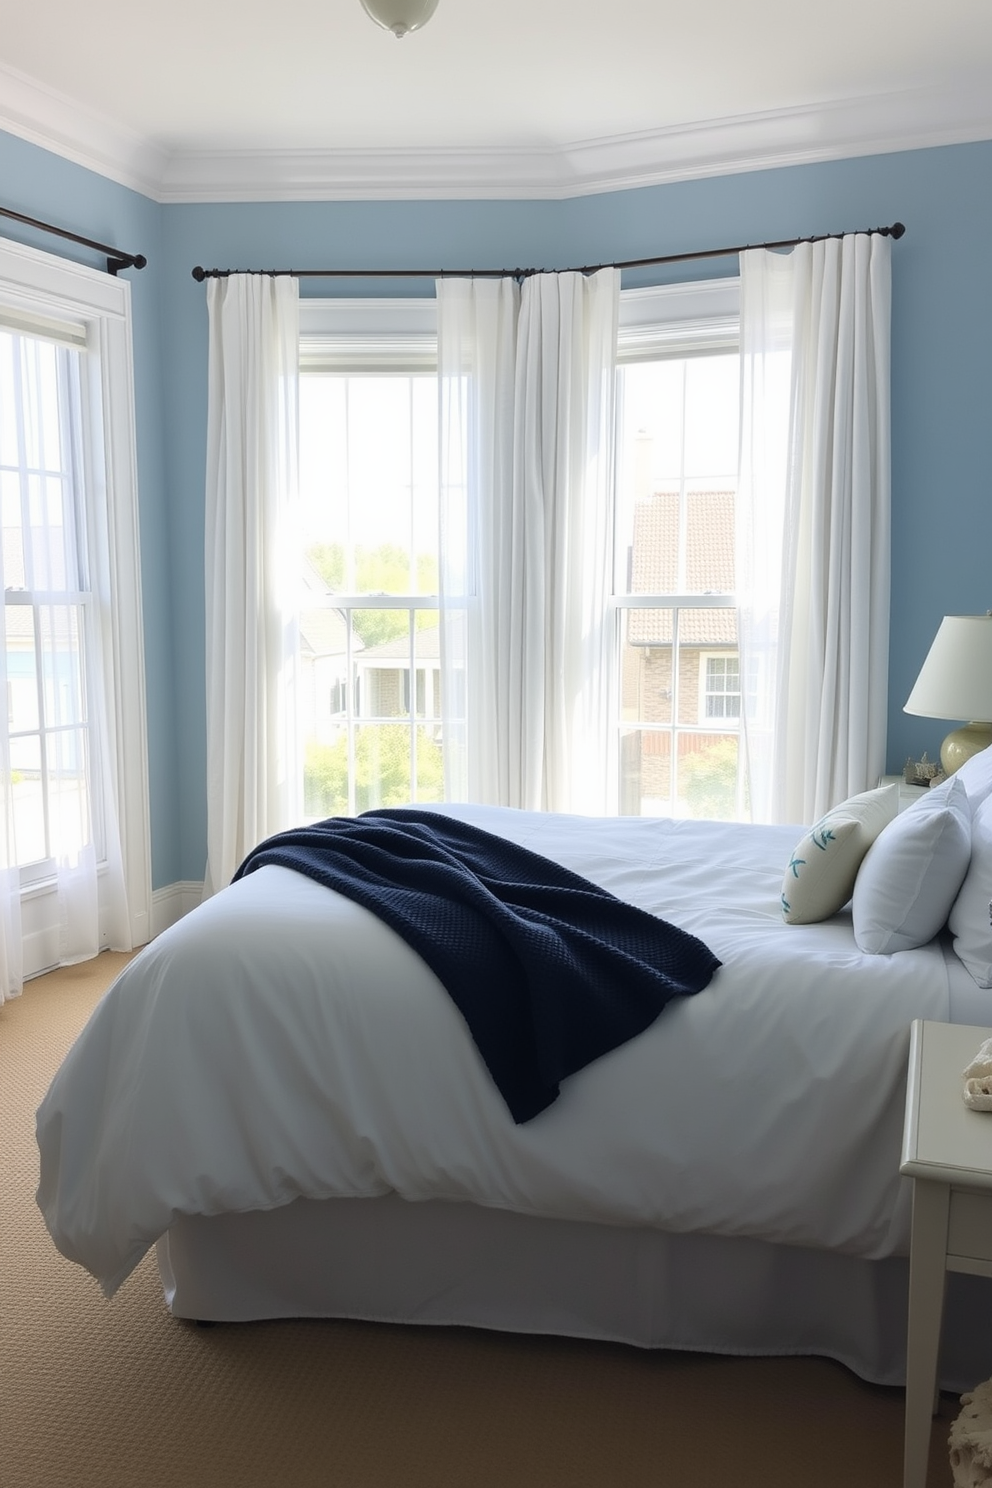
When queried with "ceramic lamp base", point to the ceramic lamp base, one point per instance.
{"points": [[962, 743]]}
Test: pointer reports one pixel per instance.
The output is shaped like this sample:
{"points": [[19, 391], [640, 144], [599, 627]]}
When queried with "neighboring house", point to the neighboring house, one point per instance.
{"points": [[384, 677], [323, 680], [680, 673]]}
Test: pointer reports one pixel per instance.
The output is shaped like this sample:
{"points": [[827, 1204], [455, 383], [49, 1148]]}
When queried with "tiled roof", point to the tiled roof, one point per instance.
{"points": [[709, 567], [325, 633], [427, 647]]}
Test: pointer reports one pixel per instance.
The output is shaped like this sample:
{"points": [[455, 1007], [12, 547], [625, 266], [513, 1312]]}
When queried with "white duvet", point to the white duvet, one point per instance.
{"points": [[281, 1041]]}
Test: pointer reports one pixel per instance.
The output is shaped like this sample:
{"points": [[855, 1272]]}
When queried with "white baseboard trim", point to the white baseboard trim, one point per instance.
{"points": [[172, 902]]}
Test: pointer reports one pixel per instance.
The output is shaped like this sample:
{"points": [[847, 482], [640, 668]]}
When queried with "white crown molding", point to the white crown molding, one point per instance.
{"points": [[56, 122], [916, 119]]}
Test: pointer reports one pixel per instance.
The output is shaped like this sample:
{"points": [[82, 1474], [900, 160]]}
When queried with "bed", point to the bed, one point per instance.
{"points": [[279, 1096]]}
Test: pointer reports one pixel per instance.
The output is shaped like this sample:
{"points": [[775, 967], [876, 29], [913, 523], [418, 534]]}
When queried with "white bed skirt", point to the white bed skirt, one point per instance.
{"points": [[388, 1260]]}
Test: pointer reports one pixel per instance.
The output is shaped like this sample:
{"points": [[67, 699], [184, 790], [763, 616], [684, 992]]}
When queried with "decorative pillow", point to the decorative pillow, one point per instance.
{"points": [[970, 919], [820, 878], [912, 872]]}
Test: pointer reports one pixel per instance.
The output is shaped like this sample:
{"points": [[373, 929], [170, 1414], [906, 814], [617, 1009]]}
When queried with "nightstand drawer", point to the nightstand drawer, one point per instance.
{"points": [[969, 1227]]}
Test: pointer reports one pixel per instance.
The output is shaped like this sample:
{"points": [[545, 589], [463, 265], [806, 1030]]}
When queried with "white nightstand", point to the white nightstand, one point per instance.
{"points": [[907, 793], [947, 1151]]}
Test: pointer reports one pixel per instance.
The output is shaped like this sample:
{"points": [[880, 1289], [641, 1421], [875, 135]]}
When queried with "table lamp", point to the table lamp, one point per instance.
{"points": [[955, 681]]}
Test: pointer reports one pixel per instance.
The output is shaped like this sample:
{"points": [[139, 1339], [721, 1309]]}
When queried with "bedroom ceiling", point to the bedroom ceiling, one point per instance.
{"points": [[216, 100]]}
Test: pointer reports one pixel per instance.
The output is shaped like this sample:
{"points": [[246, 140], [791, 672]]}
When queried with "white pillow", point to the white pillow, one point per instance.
{"points": [[976, 777], [912, 872], [970, 919], [820, 877]]}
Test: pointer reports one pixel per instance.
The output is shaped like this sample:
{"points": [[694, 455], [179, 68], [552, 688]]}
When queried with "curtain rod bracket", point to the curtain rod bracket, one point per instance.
{"points": [[116, 259]]}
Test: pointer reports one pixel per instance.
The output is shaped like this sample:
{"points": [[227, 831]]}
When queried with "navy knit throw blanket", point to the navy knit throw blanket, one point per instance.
{"points": [[548, 970]]}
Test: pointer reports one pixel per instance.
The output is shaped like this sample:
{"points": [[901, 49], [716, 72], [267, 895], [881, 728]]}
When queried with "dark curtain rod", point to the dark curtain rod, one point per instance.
{"points": [[895, 231], [116, 260]]}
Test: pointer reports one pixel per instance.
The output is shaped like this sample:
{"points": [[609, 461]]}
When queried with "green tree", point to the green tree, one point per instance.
{"points": [[381, 570], [708, 780], [382, 771]]}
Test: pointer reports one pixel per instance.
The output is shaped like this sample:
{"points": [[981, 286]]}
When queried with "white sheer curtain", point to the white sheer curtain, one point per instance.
{"points": [[71, 648], [11, 943], [814, 523], [59, 792], [527, 412], [254, 779]]}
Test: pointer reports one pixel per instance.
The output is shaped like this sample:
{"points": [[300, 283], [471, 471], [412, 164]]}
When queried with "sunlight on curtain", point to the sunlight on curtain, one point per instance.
{"points": [[58, 796], [254, 765], [527, 378], [814, 522]]}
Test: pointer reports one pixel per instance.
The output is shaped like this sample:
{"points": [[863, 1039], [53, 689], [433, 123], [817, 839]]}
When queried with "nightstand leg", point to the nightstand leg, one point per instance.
{"points": [[927, 1275]]}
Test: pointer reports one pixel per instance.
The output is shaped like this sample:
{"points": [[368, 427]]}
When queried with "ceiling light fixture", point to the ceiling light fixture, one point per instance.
{"points": [[400, 16]]}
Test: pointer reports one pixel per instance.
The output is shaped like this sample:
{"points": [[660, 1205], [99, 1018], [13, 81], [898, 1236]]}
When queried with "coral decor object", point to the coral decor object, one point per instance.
{"points": [[978, 1079], [970, 1440]]}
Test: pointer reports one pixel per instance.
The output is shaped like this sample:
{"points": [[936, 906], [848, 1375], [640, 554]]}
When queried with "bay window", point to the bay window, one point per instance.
{"points": [[370, 694]]}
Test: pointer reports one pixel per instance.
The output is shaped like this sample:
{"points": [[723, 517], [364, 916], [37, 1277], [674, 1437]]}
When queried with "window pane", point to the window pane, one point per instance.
{"points": [[645, 772], [10, 514], [22, 669], [368, 446], [674, 687], [707, 776], [654, 544], [653, 416], [427, 663], [712, 414], [383, 772], [677, 476], [28, 802], [325, 775], [67, 792], [430, 765], [48, 539], [368, 475], [709, 542], [62, 663], [646, 668], [383, 663]]}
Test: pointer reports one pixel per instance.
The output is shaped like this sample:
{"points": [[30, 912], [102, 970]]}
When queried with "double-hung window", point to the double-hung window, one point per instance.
{"points": [[369, 682], [370, 695], [75, 798], [677, 684]]}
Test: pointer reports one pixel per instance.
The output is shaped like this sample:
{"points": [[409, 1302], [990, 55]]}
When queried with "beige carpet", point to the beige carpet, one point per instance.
{"points": [[97, 1394]]}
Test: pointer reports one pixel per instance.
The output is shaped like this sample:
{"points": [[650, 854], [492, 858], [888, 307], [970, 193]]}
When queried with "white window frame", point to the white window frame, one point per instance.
{"points": [[657, 322], [37, 286], [372, 336]]}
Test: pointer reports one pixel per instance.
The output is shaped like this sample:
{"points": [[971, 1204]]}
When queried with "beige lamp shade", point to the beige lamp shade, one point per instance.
{"points": [[955, 681]]}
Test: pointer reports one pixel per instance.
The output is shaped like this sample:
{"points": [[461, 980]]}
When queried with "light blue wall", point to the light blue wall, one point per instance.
{"points": [[941, 376]]}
